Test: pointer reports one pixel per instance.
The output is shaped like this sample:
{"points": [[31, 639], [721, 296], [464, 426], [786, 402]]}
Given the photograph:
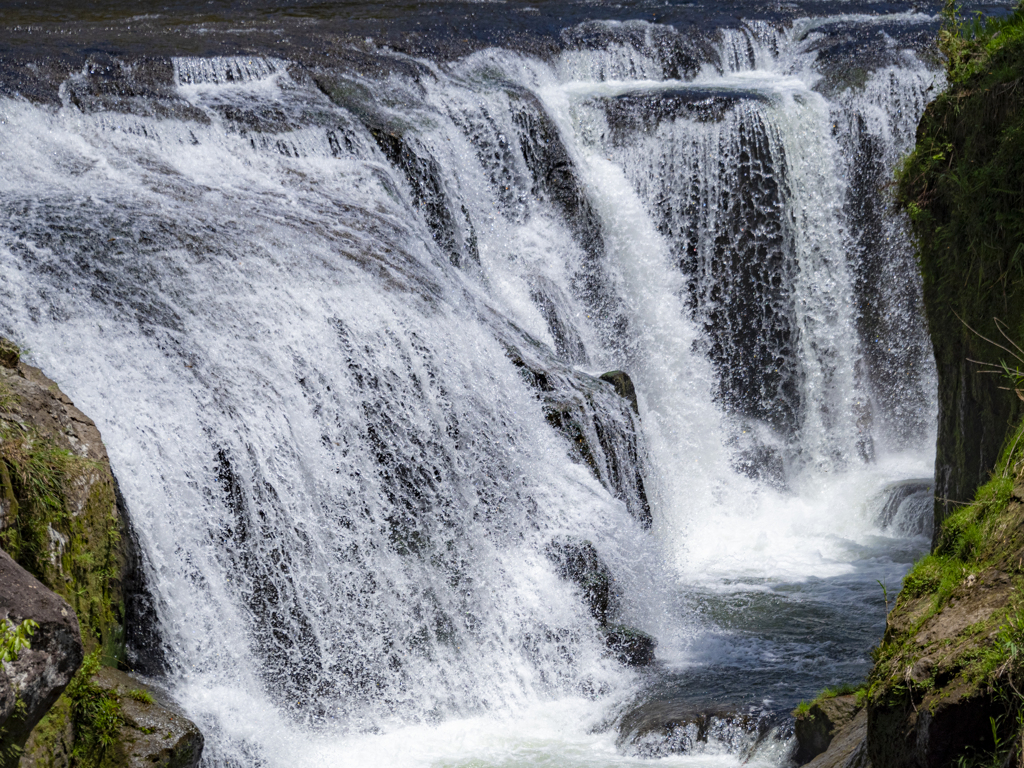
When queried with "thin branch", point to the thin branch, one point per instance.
{"points": [[993, 343], [1002, 329]]}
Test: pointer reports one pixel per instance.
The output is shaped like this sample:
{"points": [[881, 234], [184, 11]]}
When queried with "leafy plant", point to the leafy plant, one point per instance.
{"points": [[95, 713], [15, 637], [145, 697]]}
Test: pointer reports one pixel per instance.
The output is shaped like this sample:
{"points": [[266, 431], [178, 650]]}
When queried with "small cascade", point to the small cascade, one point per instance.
{"points": [[225, 70]]}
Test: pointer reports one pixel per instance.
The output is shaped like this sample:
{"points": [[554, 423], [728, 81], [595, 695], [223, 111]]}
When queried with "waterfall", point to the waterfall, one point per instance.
{"points": [[341, 326]]}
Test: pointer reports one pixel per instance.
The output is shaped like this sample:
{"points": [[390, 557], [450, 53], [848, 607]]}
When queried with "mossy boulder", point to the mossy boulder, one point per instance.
{"points": [[111, 719], [63, 521], [34, 678], [58, 512]]}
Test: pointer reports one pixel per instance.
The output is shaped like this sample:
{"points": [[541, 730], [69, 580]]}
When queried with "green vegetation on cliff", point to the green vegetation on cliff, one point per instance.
{"points": [[963, 187], [949, 675], [69, 541]]}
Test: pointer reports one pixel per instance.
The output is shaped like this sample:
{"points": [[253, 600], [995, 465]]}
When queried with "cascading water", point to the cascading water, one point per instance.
{"points": [[339, 323]]}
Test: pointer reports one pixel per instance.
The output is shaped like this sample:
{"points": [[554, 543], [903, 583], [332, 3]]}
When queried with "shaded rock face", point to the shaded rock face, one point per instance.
{"points": [[848, 747], [661, 728], [815, 729], [40, 674]]}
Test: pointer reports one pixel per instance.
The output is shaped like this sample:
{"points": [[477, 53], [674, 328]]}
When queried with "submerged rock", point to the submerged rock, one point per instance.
{"points": [[661, 728], [36, 678]]}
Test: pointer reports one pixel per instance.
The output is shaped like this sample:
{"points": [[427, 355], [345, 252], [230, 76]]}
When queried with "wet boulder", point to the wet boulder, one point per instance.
{"points": [[623, 387], [629, 645], [36, 678], [576, 560]]}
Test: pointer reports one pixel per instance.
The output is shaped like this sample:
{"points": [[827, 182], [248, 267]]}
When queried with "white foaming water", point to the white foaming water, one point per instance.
{"points": [[292, 320]]}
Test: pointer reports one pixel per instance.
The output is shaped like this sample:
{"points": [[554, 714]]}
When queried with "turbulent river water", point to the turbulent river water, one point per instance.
{"points": [[336, 283]]}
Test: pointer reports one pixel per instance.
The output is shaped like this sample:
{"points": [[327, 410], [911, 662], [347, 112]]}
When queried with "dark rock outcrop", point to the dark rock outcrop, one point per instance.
{"points": [[848, 748], [816, 728], [576, 560], [40, 673]]}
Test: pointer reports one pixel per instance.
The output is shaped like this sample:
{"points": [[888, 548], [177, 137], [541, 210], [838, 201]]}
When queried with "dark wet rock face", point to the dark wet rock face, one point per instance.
{"points": [[454, 237], [576, 560], [680, 56], [554, 307], [632, 112], [816, 728], [602, 429], [39, 674]]}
